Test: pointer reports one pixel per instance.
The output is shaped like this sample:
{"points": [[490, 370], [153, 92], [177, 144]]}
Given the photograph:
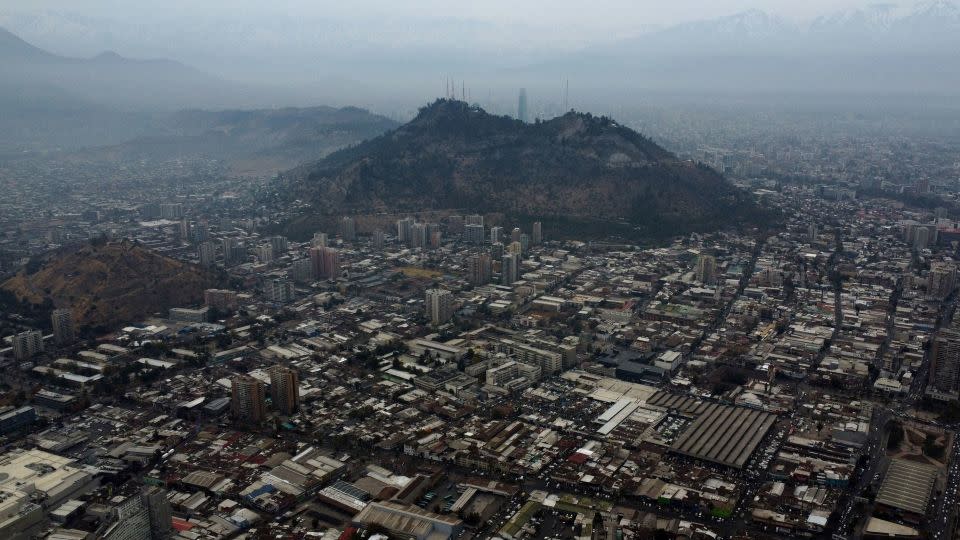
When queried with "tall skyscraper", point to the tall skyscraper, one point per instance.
{"points": [[284, 389], [537, 233], [207, 254], [264, 253], [941, 280], [378, 239], [515, 234], [496, 234], [247, 399], [706, 269], [496, 251], [326, 262], [479, 269], [63, 330], [944, 377], [473, 233], [301, 271], [145, 516], [185, 230], [234, 252], [524, 242], [419, 235], [27, 344], [278, 290], [439, 305], [474, 219], [515, 247], [510, 269], [522, 105], [405, 230], [348, 229]]}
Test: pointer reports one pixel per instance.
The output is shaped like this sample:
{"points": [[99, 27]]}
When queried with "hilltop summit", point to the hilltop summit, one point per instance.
{"points": [[576, 166]]}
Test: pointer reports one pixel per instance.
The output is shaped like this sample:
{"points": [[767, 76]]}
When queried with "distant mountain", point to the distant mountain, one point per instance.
{"points": [[108, 285], [875, 50], [574, 167], [110, 79]]}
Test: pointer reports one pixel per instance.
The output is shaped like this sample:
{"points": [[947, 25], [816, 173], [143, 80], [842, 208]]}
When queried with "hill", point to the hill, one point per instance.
{"points": [[575, 167], [108, 285]]}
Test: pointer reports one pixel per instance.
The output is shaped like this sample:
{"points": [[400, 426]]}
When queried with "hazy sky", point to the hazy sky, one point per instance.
{"points": [[596, 14]]}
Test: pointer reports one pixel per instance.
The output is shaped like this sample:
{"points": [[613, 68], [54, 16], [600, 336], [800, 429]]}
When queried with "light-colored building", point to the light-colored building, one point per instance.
{"points": [[438, 305], [27, 344]]}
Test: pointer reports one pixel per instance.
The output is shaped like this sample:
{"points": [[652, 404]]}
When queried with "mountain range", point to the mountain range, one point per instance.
{"points": [[573, 168], [876, 49]]}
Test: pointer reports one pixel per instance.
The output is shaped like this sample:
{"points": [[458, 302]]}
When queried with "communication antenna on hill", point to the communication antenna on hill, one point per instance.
{"points": [[566, 96], [463, 91]]}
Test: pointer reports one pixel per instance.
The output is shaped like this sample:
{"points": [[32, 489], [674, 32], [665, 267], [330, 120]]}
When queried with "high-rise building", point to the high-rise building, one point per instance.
{"points": [[474, 219], [185, 230], [63, 330], [439, 305], [515, 247], [524, 243], [247, 398], [522, 105], [284, 389], [348, 229], [419, 232], [941, 280], [473, 233], [326, 262], [280, 244], [455, 224], [301, 270], [207, 253], [264, 253], [944, 377], [496, 234], [433, 235], [706, 269], [405, 231], [172, 211], [319, 239], [515, 234], [200, 232], [510, 269], [378, 239], [537, 236], [496, 251], [144, 516], [234, 251], [479, 269], [27, 344], [278, 290]]}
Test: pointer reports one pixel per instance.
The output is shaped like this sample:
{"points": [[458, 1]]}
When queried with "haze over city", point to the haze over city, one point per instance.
{"points": [[492, 270]]}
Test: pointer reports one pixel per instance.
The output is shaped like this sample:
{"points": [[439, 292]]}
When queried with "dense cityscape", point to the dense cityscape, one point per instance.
{"points": [[456, 375], [259, 282]]}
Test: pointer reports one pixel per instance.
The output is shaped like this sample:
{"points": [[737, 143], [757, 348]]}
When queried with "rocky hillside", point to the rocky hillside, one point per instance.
{"points": [[577, 167], [109, 285]]}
